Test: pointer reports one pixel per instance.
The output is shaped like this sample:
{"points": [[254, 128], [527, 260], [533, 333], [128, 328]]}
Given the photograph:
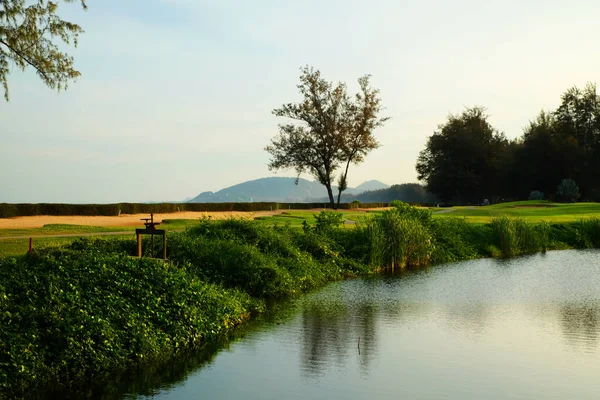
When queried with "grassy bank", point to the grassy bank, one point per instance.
{"points": [[87, 309]]}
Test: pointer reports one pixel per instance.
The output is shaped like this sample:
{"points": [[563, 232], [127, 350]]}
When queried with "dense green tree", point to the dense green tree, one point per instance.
{"points": [[578, 130], [463, 162], [539, 161], [28, 32], [329, 130], [561, 144]]}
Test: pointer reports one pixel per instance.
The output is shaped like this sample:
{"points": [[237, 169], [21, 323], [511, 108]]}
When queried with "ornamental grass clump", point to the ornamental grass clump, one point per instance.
{"points": [[399, 238]]}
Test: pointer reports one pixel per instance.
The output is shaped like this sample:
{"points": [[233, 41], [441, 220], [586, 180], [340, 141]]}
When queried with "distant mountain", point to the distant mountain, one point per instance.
{"points": [[277, 189], [367, 186]]}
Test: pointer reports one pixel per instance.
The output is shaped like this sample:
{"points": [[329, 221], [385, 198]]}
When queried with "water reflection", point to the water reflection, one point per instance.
{"points": [[336, 332], [580, 324], [493, 300]]}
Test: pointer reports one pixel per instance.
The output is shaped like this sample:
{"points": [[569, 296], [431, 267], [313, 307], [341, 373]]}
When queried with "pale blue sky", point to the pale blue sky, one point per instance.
{"points": [[176, 95]]}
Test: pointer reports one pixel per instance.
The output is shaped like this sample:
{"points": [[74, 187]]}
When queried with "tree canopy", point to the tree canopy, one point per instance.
{"points": [[28, 33], [463, 158], [328, 131], [467, 160]]}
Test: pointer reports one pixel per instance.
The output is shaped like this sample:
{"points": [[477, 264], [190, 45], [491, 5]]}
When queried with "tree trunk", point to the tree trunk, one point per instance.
{"points": [[331, 198], [345, 180]]}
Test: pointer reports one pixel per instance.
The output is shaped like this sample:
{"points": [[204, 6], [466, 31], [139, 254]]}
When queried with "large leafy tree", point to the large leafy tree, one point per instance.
{"points": [[28, 34], [564, 143], [543, 157], [462, 162], [578, 134], [329, 130]]}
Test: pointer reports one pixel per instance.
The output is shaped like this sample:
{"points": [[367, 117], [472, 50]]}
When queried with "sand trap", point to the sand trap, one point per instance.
{"points": [[123, 220]]}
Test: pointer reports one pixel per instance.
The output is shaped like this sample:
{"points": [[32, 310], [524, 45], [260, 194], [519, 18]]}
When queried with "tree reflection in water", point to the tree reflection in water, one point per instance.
{"points": [[330, 336], [580, 324]]}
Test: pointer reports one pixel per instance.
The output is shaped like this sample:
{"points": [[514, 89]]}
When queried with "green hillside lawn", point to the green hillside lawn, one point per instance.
{"points": [[297, 218], [530, 210]]}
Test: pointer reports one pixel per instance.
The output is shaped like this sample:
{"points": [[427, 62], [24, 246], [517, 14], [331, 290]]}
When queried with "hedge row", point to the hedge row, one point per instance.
{"points": [[23, 210]]}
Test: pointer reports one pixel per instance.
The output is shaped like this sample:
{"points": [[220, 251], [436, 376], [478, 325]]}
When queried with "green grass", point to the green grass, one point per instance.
{"points": [[297, 218], [528, 210], [60, 229], [19, 247]]}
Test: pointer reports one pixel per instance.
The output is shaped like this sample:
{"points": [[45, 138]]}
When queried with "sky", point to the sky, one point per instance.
{"points": [[175, 96]]}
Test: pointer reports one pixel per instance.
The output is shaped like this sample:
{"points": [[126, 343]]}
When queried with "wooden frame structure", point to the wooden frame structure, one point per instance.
{"points": [[151, 230]]}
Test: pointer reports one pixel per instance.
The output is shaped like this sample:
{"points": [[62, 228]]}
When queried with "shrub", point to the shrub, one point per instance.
{"points": [[355, 204], [536, 195], [422, 215], [328, 220], [567, 191], [264, 261], [456, 239]]}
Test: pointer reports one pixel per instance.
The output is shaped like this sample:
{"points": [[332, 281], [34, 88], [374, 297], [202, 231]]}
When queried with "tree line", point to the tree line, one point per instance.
{"points": [[413, 193], [467, 160]]}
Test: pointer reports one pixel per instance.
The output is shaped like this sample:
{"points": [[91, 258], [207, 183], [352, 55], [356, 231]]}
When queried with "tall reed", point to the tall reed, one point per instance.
{"points": [[588, 232], [518, 236], [399, 240]]}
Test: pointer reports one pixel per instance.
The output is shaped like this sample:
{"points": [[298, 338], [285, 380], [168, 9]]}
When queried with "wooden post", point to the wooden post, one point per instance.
{"points": [[139, 244], [31, 245], [165, 246], [152, 235]]}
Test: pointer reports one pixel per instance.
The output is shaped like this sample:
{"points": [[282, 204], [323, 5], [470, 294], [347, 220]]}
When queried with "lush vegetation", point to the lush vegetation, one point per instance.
{"points": [[467, 160], [81, 312], [88, 309]]}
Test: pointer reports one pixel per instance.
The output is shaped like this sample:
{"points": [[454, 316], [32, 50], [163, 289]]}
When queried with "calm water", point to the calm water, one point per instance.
{"points": [[521, 329]]}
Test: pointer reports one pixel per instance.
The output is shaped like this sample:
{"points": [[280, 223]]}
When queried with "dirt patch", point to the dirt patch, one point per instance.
{"points": [[130, 220], [536, 206]]}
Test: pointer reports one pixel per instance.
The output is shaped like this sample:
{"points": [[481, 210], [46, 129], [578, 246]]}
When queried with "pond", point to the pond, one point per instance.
{"points": [[526, 328]]}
